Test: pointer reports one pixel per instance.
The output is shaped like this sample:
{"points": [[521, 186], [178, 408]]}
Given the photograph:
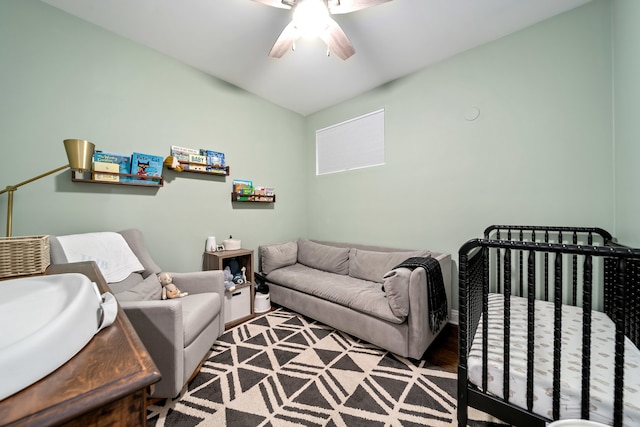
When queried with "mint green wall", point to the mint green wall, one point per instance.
{"points": [[62, 78], [539, 153], [626, 64]]}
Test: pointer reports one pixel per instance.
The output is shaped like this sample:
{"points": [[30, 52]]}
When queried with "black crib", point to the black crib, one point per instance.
{"points": [[563, 265]]}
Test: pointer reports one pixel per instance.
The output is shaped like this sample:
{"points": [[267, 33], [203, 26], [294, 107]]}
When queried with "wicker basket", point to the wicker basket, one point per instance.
{"points": [[23, 256]]}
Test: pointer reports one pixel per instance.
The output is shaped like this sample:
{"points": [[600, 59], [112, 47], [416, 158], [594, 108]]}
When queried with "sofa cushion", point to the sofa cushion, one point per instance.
{"points": [[396, 288], [360, 295], [323, 257], [373, 265], [135, 240], [132, 280], [278, 256], [145, 290]]}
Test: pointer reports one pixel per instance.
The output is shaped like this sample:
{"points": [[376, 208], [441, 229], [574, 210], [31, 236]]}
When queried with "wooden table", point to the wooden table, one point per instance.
{"points": [[104, 384]]}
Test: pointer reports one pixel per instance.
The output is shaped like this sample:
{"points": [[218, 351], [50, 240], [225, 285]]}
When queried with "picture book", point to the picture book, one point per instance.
{"points": [[101, 158], [197, 162], [182, 153], [146, 166], [215, 159], [242, 186], [106, 167]]}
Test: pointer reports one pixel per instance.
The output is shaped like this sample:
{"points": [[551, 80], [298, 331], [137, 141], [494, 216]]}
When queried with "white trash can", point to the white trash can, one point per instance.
{"points": [[575, 423], [262, 303]]}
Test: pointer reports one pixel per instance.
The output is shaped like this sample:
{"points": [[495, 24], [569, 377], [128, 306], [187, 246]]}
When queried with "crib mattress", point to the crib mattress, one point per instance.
{"points": [[602, 361]]}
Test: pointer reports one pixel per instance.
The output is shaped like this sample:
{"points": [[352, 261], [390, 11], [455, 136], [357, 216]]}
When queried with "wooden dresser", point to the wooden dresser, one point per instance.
{"points": [[104, 384]]}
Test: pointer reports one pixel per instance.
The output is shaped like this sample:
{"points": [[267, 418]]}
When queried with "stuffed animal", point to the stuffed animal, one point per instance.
{"points": [[229, 286], [169, 290], [172, 163], [237, 272]]}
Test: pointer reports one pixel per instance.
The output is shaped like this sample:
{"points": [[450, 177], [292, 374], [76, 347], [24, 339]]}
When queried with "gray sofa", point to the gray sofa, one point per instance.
{"points": [[177, 333], [341, 285]]}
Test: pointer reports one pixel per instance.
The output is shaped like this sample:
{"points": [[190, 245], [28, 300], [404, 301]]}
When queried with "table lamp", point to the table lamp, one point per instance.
{"points": [[79, 154]]}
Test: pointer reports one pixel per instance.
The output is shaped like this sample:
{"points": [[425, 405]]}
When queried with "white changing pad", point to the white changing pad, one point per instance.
{"points": [[602, 361]]}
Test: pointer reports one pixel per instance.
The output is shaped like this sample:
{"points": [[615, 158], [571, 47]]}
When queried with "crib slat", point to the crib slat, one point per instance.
{"points": [[557, 335], [507, 324], [586, 337], [485, 319], [531, 298], [574, 294], [546, 268], [520, 268], [620, 319]]}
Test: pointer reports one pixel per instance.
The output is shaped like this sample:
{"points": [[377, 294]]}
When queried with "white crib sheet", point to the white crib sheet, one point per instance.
{"points": [[602, 361]]}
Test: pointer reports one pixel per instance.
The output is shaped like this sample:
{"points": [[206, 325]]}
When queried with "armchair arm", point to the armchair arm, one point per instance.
{"points": [[198, 282], [160, 328]]}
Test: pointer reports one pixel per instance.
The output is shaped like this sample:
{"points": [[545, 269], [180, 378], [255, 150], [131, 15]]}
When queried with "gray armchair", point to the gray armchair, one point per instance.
{"points": [[178, 333]]}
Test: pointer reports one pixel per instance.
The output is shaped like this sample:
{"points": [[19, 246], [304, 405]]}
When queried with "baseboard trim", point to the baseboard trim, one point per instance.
{"points": [[454, 317]]}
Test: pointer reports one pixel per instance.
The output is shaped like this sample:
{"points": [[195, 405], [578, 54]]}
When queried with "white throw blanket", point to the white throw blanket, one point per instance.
{"points": [[109, 250]]}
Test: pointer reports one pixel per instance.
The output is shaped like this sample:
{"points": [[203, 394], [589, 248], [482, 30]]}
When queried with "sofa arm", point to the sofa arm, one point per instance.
{"points": [[198, 282], [420, 334]]}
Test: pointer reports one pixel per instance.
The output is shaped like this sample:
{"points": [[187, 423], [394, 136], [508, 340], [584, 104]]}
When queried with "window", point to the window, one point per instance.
{"points": [[353, 144]]}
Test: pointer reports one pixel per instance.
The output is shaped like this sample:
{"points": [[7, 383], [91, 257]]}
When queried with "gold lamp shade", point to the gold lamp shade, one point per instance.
{"points": [[79, 153]]}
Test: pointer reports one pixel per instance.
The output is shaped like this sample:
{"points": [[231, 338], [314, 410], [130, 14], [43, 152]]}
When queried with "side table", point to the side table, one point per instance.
{"points": [[238, 305]]}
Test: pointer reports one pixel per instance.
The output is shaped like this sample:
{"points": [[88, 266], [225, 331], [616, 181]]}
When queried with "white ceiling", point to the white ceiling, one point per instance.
{"points": [[230, 39]]}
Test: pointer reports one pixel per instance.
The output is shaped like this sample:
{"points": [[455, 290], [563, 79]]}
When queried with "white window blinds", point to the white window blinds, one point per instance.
{"points": [[353, 144]]}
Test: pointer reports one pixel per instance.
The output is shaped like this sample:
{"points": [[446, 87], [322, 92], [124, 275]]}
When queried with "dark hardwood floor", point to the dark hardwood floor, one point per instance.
{"points": [[443, 352]]}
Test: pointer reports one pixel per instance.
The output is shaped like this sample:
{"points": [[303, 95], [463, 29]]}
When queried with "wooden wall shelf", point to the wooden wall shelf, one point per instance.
{"points": [[216, 172], [137, 180], [253, 198]]}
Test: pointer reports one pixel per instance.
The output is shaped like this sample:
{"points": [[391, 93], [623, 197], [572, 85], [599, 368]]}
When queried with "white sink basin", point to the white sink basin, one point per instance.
{"points": [[45, 321]]}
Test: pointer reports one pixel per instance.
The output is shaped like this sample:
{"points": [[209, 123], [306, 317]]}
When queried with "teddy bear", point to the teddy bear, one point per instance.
{"points": [[169, 290]]}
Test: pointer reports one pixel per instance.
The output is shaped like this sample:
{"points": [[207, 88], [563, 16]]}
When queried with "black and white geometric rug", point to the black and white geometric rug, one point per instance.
{"points": [[283, 369]]}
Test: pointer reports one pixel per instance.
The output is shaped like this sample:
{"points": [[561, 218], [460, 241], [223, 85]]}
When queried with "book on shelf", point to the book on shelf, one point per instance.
{"points": [[106, 167], [182, 153], [215, 159], [197, 162], [111, 162], [242, 186], [147, 167]]}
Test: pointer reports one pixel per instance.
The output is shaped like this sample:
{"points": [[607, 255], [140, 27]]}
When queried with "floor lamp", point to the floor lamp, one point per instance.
{"points": [[79, 154]]}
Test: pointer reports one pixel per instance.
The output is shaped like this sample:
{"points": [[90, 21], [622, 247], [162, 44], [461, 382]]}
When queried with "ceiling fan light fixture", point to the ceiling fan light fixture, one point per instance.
{"points": [[310, 18]]}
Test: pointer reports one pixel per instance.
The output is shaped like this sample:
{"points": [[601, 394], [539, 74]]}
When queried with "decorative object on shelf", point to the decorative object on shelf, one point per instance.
{"points": [[231, 244], [210, 246], [173, 163], [79, 154]]}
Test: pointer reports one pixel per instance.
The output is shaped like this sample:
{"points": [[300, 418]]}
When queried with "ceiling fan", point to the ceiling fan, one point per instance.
{"points": [[311, 19]]}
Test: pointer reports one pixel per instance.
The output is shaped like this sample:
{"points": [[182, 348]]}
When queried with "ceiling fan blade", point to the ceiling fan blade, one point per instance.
{"points": [[285, 41], [345, 6], [283, 4], [337, 40]]}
